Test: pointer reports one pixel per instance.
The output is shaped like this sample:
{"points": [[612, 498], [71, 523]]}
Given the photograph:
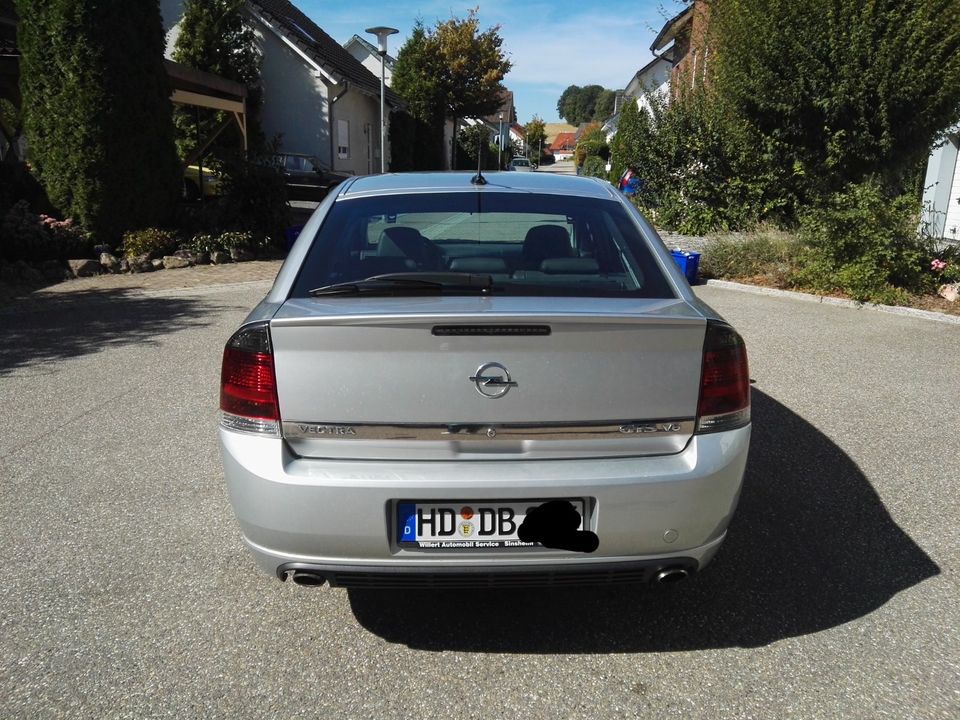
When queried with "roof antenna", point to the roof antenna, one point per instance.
{"points": [[479, 179]]}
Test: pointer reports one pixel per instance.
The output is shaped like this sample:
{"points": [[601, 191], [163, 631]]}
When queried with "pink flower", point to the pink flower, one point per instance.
{"points": [[937, 265]]}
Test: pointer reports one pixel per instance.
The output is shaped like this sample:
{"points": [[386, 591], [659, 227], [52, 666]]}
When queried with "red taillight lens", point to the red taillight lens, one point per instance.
{"points": [[724, 381], [248, 385]]}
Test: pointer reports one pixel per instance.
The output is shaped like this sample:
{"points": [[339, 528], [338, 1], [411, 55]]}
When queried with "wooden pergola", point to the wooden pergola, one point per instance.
{"points": [[199, 89]]}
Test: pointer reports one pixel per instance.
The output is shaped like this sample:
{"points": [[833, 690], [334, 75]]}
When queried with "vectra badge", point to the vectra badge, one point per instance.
{"points": [[326, 429], [492, 380]]}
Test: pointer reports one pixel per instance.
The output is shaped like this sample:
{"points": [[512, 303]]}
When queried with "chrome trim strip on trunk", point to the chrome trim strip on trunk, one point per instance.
{"points": [[482, 432]]}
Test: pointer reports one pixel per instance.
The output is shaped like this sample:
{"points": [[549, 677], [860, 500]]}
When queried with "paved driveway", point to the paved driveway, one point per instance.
{"points": [[125, 591]]}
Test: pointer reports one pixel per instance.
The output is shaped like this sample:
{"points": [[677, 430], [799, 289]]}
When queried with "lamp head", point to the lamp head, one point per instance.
{"points": [[382, 34]]}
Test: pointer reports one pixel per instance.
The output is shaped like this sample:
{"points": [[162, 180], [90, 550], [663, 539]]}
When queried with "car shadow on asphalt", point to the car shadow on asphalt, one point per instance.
{"points": [[811, 547], [43, 329]]}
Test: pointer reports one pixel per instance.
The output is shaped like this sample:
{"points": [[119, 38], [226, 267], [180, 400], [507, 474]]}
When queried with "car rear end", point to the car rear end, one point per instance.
{"points": [[389, 434]]}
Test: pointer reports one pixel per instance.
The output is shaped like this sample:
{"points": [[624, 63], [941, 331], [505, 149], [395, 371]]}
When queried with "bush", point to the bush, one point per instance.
{"points": [[38, 238], [866, 245], [469, 141], [151, 242], [202, 243], [701, 168], [254, 198], [225, 242], [17, 183], [242, 241], [770, 255], [594, 166]]}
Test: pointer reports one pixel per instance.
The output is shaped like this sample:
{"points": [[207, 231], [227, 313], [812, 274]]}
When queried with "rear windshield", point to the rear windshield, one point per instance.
{"points": [[528, 244]]}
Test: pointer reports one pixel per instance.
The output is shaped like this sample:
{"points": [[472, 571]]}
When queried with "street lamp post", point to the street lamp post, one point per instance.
{"points": [[382, 33], [500, 145]]}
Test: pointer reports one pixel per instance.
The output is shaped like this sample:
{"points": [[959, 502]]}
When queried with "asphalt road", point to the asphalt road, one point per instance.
{"points": [[125, 590]]}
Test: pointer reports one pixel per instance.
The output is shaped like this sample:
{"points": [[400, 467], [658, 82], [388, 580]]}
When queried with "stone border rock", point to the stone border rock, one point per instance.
{"points": [[840, 302]]}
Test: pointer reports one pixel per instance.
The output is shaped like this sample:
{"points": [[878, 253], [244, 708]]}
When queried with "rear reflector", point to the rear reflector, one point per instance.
{"points": [[248, 386], [724, 381]]}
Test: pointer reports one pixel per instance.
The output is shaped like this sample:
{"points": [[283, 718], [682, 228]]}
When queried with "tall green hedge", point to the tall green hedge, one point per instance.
{"points": [[97, 110]]}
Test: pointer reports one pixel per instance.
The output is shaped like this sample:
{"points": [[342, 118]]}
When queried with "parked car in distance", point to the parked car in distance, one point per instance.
{"points": [[520, 164], [191, 182], [306, 177], [455, 382]]}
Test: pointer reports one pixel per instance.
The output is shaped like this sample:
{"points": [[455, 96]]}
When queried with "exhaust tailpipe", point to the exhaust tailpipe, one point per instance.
{"points": [[670, 575], [308, 577]]}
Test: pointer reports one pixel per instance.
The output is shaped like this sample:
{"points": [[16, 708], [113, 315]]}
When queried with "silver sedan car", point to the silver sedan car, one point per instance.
{"points": [[461, 380]]}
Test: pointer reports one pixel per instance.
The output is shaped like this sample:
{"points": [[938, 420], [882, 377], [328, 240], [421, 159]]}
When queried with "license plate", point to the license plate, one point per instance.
{"points": [[466, 525]]}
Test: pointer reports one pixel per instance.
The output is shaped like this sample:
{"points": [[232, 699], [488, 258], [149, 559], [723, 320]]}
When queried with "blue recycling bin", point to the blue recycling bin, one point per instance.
{"points": [[291, 234], [689, 264]]}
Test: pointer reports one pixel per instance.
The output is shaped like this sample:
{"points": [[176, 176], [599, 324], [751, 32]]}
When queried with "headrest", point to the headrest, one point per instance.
{"points": [[546, 241], [570, 266], [478, 265]]}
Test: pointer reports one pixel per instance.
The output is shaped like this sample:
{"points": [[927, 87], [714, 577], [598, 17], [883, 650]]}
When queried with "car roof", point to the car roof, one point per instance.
{"points": [[432, 182]]}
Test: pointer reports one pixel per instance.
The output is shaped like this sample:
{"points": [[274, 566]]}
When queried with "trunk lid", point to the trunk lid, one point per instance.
{"points": [[432, 378]]}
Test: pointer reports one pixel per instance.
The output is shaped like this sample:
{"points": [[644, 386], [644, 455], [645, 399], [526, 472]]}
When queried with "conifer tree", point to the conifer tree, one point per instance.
{"points": [[97, 113]]}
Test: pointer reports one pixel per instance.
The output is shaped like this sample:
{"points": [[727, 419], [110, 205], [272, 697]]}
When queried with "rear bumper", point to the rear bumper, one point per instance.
{"points": [[337, 517]]}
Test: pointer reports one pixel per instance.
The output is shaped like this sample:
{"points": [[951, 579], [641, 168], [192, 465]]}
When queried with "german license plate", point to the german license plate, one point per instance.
{"points": [[466, 525]]}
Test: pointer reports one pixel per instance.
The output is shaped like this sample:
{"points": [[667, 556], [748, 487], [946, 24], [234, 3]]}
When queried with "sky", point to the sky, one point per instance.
{"points": [[551, 44]]}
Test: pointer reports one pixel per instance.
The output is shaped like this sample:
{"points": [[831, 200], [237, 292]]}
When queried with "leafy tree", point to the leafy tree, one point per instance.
{"points": [[591, 103], [603, 108], [472, 140], [452, 70], [841, 90], [97, 114], [536, 133], [214, 38]]}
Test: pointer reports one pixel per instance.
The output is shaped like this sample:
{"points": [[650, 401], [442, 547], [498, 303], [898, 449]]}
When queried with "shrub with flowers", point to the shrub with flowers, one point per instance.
{"points": [[27, 236], [944, 262], [946, 270]]}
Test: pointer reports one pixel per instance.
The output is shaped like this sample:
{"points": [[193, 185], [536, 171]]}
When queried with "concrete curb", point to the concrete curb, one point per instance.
{"points": [[840, 302]]}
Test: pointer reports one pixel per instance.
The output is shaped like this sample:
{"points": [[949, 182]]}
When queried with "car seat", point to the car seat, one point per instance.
{"points": [[543, 242]]}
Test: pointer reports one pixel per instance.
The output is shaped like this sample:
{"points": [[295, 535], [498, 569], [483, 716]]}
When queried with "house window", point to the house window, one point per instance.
{"points": [[343, 139]]}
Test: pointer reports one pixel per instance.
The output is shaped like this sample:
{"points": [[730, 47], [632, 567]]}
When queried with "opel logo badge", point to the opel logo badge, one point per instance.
{"points": [[492, 380]]}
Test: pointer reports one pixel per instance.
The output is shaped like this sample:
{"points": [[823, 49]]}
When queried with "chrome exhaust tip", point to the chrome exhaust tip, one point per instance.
{"points": [[671, 575], [308, 578]]}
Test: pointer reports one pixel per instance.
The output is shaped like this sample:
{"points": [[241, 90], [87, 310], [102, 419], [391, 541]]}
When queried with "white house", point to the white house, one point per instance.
{"points": [[368, 56], [317, 98], [941, 189], [652, 79]]}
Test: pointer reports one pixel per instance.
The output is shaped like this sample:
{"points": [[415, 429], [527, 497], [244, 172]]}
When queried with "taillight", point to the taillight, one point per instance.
{"points": [[724, 381], [248, 383]]}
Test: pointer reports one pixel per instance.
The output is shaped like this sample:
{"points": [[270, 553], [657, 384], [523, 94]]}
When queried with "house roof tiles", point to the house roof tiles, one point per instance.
{"points": [[564, 141]]}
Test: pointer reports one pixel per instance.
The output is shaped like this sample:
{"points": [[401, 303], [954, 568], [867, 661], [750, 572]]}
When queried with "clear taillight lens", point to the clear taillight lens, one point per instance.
{"points": [[248, 383], [724, 381]]}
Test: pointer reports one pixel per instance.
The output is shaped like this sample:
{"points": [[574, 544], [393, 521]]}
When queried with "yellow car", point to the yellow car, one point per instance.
{"points": [[191, 183]]}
